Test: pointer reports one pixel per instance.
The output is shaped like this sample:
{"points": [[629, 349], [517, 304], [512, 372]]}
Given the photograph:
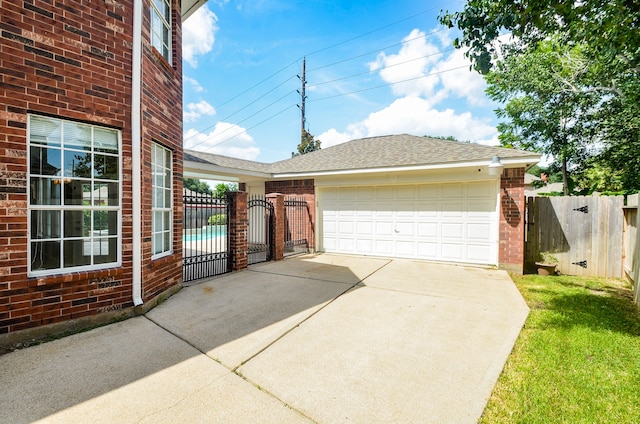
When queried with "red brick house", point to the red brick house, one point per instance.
{"points": [[90, 159]]}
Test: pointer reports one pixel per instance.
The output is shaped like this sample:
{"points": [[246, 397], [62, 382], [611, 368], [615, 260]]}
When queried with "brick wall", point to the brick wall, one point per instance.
{"points": [[162, 124], [512, 204], [304, 189], [72, 60]]}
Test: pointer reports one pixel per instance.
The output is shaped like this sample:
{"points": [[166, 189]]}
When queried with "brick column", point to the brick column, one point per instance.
{"points": [[512, 204], [238, 228], [277, 246]]}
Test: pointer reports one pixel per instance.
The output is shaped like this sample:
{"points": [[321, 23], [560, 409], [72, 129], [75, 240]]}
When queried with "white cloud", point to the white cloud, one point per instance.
{"points": [[431, 73], [194, 111], [414, 115], [198, 35], [195, 85], [225, 139]]}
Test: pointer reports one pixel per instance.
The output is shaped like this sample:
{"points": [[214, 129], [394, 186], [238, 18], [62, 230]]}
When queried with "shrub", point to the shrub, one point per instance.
{"points": [[218, 219]]}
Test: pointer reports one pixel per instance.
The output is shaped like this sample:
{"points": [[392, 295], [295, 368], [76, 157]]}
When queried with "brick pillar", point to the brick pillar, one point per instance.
{"points": [[277, 246], [238, 229], [512, 204]]}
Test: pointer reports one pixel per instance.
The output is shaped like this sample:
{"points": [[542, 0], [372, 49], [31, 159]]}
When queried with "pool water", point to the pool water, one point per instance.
{"points": [[205, 233]]}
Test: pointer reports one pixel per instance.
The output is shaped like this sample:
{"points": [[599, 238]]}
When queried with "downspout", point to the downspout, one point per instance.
{"points": [[136, 151]]}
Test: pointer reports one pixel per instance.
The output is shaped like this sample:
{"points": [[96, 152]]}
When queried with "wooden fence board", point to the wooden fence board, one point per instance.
{"points": [[583, 232]]}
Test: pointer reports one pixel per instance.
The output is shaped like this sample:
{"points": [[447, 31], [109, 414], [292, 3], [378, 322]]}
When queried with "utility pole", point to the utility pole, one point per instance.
{"points": [[303, 95]]}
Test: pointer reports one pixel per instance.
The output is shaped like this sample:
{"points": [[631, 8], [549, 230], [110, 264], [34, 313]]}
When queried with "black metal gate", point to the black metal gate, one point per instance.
{"points": [[297, 225], [204, 236], [260, 235]]}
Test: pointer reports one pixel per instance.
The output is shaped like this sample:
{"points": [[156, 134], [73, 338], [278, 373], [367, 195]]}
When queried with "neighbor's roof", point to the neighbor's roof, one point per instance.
{"points": [[391, 151]]}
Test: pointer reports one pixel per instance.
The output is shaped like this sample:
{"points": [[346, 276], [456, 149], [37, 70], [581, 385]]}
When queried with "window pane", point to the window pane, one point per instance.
{"points": [[45, 255], [44, 191], [77, 164], [157, 222], [166, 221], [167, 241], [105, 223], [77, 136], [167, 198], [105, 250], [105, 140], [158, 178], [158, 200], [157, 243], [105, 194], [45, 224], [45, 161], [167, 160], [106, 167], [77, 252], [44, 130], [75, 192], [75, 224]]}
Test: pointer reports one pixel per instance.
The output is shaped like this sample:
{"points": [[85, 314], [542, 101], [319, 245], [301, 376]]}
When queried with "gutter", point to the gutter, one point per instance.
{"points": [[136, 151]]}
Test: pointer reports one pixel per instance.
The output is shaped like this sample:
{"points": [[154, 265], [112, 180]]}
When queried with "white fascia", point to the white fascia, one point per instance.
{"points": [[508, 162]]}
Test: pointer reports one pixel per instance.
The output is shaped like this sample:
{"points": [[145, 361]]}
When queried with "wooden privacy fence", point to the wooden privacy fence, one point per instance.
{"points": [[585, 234], [631, 247]]}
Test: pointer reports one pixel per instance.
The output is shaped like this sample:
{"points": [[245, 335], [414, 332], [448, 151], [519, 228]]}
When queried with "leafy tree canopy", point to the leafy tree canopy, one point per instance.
{"points": [[308, 144], [194, 184], [568, 76], [222, 189]]}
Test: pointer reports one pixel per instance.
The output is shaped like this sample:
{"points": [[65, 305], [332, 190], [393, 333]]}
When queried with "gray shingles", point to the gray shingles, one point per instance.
{"points": [[374, 152]]}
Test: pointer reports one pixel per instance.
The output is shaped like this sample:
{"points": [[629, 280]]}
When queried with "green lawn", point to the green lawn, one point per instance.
{"points": [[577, 359]]}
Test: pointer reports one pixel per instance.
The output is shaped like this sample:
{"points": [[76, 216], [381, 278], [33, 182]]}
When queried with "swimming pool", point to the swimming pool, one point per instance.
{"points": [[205, 233]]}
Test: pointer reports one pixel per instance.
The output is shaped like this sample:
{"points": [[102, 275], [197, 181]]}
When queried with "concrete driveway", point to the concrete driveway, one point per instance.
{"points": [[323, 338]]}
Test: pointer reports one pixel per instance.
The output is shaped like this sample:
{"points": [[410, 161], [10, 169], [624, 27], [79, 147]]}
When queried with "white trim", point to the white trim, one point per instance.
{"points": [[136, 151], [479, 163]]}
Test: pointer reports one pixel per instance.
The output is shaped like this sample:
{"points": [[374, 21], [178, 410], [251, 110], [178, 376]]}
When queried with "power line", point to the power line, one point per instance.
{"points": [[391, 83], [386, 67]]}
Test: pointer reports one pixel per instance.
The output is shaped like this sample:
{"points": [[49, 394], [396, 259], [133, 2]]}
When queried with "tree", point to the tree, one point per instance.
{"points": [[548, 103], [607, 34], [308, 144], [222, 189], [194, 184]]}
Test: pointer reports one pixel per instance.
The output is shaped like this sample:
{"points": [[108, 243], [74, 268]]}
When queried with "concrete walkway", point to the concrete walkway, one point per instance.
{"points": [[326, 339]]}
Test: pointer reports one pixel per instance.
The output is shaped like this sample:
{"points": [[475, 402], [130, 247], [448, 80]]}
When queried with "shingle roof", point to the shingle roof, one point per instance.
{"points": [[389, 151]]}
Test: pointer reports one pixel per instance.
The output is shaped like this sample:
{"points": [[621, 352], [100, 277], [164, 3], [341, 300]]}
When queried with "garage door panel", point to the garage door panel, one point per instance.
{"points": [[383, 228], [449, 221], [453, 251], [452, 230], [427, 230], [428, 250], [405, 229], [364, 228], [405, 249], [478, 253], [478, 231]]}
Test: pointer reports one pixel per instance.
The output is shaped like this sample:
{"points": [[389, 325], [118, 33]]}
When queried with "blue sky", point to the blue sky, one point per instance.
{"points": [[373, 68]]}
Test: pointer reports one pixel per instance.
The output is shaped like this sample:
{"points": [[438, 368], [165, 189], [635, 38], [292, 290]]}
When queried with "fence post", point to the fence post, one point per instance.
{"points": [[277, 247], [238, 228]]}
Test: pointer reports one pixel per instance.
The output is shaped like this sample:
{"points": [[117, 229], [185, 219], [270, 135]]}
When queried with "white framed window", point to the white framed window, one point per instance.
{"points": [[74, 196], [161, 201], [161, 27]]}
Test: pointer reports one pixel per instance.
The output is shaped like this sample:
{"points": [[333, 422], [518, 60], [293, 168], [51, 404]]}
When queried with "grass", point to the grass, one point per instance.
{"points": [[577, 359]]}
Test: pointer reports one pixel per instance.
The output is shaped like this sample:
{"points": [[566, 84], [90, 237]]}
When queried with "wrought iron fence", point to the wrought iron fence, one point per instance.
{"points": [[297, 225], [260, 234], [204, 236]]}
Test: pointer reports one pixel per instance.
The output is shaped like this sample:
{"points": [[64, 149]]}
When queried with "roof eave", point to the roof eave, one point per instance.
{"points": [[189, 7], [525, 161]]}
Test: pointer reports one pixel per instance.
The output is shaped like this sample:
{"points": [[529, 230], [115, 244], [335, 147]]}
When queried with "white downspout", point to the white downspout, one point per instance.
{"points": [[136, 151]]}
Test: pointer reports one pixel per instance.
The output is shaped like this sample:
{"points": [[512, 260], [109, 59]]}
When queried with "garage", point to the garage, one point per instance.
{"points": [[453, 222]]}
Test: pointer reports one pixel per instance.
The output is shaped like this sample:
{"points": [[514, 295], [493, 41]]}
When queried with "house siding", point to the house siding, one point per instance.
{"points": [[73, 60]]}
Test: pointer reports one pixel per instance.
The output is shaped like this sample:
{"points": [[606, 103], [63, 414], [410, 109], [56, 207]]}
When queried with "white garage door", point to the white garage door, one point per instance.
{"points": [[455, 222]]}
